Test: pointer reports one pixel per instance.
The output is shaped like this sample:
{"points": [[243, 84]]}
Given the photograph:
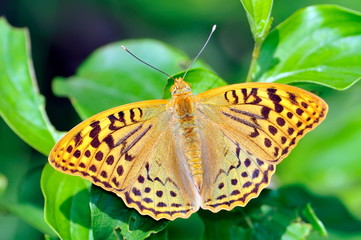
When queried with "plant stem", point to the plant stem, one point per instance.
{"points": [[255, 55]]}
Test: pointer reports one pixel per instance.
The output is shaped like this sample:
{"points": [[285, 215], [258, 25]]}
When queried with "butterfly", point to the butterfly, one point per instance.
{"points": [[168, 158]]}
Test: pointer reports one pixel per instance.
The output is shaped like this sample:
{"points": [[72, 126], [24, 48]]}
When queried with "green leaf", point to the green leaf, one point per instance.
{"points": [[319, 44], [112, 219], [200, 80], [162, 235], [31, 214], [191, 228], [259, 17], [297, 231], [275, 214], [310, 215], [113, 77], [28, 203], [223, 225], [339, 219], [3, 184], [66, 204], [21, 105], [47, 237]]}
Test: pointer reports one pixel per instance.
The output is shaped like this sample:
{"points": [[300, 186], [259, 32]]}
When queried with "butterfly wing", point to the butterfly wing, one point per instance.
{"points": [[246, 130], [130, 151]]}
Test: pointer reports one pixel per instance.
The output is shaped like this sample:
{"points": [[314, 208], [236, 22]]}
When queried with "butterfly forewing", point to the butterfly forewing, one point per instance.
{"points": [[269, 119], [128, 150], [256, 125]]}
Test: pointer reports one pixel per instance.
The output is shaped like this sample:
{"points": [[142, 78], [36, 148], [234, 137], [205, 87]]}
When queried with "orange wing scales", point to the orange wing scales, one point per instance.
{"points": [[276, 118], [262, 124], [243, 180], [167, 159], [82, 154], [105, 150]]}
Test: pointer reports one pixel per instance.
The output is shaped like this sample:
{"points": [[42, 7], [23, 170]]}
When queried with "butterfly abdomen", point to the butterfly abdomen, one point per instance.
{"points": [[189, 136]]}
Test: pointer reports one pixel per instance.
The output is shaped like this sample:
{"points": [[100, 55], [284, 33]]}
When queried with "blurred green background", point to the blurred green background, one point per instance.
{"points": [[64, 33]]}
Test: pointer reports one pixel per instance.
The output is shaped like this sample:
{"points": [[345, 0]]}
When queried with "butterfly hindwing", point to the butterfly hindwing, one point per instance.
{"points": [[232, 175], [164, 187]]}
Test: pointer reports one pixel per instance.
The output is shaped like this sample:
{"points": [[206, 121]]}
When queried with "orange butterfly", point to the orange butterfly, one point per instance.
{"points": [[168, 158]]}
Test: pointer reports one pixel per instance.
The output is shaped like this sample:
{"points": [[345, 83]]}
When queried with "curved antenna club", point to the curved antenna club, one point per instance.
{"points": [[142, 61], [205, 44]]}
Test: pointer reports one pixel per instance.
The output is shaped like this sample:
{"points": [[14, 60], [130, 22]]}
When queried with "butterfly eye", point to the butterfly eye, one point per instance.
{"points": [[187, 87], [173, 89]]}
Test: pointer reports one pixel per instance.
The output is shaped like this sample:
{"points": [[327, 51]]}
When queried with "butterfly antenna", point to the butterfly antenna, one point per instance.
{"points": [[142, 61], [205, 44]]}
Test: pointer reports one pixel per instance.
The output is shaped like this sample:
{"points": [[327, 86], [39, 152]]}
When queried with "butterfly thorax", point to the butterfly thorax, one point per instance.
{"points": [[183, 103]]}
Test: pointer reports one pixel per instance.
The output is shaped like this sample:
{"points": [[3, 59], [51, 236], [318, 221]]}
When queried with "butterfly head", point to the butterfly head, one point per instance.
{"points": [[180, 87]]}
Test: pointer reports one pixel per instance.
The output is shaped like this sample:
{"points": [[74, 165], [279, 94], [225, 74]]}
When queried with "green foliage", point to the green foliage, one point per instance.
{"points": [[32, 214], [286, 213], [114, 77], [3, 184], [66, 208], [271, 212], [319, 45], [259, 17], [114, 220], [21, 105]]}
